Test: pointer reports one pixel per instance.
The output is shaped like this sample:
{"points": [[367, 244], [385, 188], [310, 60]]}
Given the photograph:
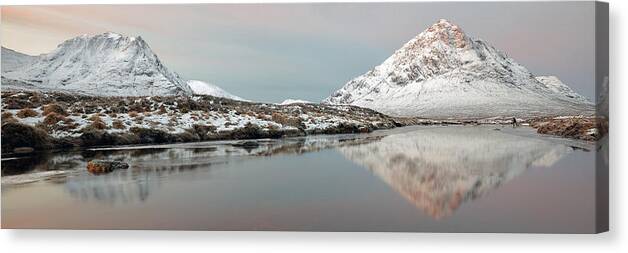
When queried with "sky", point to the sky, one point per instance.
{"points": [[271, 52]]}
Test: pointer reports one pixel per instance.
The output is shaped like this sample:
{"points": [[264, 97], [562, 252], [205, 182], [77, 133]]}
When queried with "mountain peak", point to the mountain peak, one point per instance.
{"points": [[118, 36], [113, 35], [107, 64], [439, 49], [103, 38], [443, 73], [444, 32], [443, 25]]}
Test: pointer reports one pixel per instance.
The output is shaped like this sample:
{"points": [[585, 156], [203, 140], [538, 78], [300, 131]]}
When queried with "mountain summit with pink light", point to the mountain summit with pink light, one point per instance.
{"points": [[444, 73]]}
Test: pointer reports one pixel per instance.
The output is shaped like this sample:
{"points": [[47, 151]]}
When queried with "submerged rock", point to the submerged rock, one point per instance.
{"points": [[246, 144], [23, 150], [105, 166]]}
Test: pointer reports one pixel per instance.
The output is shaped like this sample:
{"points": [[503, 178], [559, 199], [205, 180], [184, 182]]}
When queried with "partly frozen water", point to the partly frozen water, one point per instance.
{"points": [[439, 179]]}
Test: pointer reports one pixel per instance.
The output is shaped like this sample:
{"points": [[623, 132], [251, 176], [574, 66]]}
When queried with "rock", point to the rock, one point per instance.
{"points": [[105, 166], [363, 129], [23, 150], [246, 144]]}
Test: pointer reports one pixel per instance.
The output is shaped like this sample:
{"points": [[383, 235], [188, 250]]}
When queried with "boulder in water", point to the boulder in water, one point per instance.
{"points": [[246, 144], [105, 166]]}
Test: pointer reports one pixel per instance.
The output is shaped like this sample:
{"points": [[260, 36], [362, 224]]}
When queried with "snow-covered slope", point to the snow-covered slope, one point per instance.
{"points": [[12, 60], [203, 88], [290, 101], [556, 85], [107, 64], [443, 73]]}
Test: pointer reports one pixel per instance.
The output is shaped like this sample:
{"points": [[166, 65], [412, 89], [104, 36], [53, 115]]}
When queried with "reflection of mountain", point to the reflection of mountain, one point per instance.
{"points": [[434, 168], [437, 169], [120, 187], [148, 167], [150, 164]]}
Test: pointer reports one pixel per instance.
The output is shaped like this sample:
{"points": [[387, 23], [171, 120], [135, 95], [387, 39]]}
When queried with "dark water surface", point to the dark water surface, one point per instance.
{"points": [[437, 179]]}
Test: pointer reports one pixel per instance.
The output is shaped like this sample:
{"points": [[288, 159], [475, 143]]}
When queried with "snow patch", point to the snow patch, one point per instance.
{"points": [[203, 88], [295, 101]]}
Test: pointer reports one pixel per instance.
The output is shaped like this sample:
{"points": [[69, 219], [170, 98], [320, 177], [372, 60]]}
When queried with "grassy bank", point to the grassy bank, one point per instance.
{"points": [[59, 120]]}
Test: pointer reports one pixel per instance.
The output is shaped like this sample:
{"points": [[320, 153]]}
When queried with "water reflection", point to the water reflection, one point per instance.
{"points": [[40, 162], [438, 169], [150, 165], [120, 187]]}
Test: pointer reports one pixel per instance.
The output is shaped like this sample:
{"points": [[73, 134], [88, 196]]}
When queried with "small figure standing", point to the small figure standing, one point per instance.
{"points": [[514, 122]]}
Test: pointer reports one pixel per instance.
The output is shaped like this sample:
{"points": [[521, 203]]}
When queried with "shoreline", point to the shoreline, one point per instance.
{"points": [[33, 121], [228, 149]]}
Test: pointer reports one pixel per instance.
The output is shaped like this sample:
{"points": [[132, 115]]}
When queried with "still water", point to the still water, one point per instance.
{"points": [[433, 179]]}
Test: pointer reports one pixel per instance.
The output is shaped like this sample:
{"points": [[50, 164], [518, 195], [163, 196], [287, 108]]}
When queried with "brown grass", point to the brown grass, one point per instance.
{"points": [[286, 120], [95, 117], [97, 122], [7, 117], [577, 128], [118, 124], [53, 118], [16, 135], [35, 98], [162, 110], [133, 114], [26, 113], [71, 125], [58, 109]]}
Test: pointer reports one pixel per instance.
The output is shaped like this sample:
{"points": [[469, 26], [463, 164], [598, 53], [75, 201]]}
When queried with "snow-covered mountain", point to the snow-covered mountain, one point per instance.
{"points": [[443, 73], [107, 64], [12, 60], [203, 88], [556, 85], [290, 101]]}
